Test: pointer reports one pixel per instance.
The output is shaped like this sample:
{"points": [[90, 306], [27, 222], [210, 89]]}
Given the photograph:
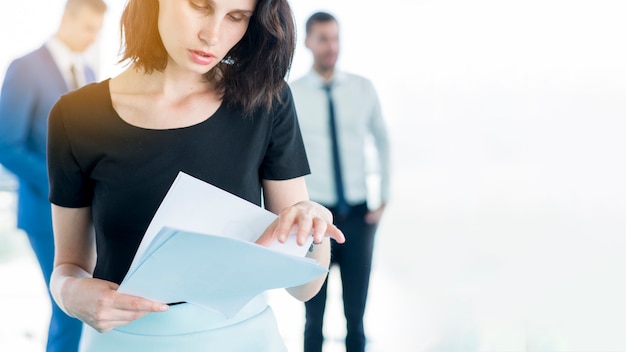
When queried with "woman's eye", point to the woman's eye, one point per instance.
{"points": [[240, 16], [199, 5]]}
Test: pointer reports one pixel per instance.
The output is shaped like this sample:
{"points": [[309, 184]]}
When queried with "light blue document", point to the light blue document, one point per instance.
{"points": [[199, 248], [214, 272]]}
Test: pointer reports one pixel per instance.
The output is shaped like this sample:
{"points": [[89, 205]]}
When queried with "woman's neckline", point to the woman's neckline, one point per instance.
{"points": [[212, 116]]}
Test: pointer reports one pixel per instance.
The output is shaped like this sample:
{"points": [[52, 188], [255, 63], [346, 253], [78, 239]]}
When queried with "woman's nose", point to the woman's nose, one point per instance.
{"points": [[210, 33]]}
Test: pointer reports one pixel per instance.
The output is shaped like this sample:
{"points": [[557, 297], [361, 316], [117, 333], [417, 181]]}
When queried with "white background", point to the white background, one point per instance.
{"points": [[508, 221]]}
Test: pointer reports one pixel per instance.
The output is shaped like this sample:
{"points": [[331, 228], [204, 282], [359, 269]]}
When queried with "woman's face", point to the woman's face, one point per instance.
{"points": [[197, 34]]}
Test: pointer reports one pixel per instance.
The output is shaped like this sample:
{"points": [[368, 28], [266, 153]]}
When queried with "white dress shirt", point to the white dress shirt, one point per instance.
{"points": [[358, 116], [65, 59]]}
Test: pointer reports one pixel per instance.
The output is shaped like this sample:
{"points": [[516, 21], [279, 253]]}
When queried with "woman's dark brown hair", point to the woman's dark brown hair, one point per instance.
{"points": [[251, 76]]}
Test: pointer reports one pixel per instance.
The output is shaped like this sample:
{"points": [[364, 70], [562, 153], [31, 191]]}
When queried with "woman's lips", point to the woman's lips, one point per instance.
{"points": [[202, 57]]}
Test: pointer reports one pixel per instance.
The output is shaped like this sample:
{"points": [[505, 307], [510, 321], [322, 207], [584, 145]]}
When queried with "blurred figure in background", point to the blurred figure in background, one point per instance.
{"points": [[338, 111], [33, 83]]}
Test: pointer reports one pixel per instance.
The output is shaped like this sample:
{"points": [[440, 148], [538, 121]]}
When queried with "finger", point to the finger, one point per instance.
{"points": [[126, 316], [138, 304], [106, 318], [268, 236], [319, 230], [305, 226], [286, 221], [122, 317], [333, 232]]}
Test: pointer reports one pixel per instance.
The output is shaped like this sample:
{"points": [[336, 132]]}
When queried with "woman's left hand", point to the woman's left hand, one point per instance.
{"points": [[306, 218]]}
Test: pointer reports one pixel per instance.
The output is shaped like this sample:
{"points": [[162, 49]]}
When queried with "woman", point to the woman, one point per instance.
{"points": [[204, 94]]}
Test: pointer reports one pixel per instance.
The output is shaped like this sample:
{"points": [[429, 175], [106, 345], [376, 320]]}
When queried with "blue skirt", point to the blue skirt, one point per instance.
{"points": [[188, 328]]}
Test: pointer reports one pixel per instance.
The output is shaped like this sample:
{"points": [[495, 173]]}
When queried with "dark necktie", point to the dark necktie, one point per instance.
{"points": [[342, 206], [74, 77]]}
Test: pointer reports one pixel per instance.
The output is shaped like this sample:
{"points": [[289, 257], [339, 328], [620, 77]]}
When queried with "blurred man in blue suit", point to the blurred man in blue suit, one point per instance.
{"points": [[33, 83]]}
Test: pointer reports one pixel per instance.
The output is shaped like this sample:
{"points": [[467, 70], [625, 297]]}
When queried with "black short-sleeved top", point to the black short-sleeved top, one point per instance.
{"points": [[123, 172]]}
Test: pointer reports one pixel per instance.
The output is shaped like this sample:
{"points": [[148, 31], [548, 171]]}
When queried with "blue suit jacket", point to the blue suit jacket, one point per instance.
{"points": [[32, 85]]}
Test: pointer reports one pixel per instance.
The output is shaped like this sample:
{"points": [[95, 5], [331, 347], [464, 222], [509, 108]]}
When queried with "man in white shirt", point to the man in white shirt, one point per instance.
{"points": [[32, 84], [338, 112]]}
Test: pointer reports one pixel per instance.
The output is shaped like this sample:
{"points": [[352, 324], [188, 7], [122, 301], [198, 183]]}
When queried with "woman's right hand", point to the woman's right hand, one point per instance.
{"points": [[98, 304], [95, 302]]}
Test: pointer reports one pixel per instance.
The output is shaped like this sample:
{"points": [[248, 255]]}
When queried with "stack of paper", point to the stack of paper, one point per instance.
{"points": [[199, 248]]}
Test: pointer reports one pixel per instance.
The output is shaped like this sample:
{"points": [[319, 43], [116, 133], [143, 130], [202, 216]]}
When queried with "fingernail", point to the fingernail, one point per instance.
{"points": [[163, 307]]}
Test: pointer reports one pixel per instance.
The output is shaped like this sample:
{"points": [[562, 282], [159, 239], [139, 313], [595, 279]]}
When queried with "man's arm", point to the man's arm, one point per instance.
{"points": [[378, 129], [17, 103]]}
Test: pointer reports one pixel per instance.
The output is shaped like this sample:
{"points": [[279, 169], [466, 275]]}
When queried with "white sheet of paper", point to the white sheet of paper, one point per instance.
{"points": [[198, 249], [214, 272], [196, 206]]}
